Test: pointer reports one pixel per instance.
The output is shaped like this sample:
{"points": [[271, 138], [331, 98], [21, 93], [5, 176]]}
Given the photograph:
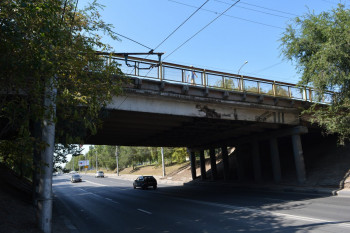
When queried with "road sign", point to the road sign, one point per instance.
{"points": [[83, 163]]}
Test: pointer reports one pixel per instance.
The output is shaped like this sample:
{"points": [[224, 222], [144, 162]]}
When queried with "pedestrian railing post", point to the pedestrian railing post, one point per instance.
{"points": [[203, 78], [183, 72], [160, 71]]}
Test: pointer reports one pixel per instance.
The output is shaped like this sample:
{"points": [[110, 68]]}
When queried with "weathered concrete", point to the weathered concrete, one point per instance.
{"points": [[159, 113], [193, 106]]}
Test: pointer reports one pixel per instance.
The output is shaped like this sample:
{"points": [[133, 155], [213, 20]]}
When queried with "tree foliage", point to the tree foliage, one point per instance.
{"points": [[45, 39], [129, 157], [319, 44]]}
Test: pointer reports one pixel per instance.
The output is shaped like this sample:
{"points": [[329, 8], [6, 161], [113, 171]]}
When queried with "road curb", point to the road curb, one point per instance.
{"points": [[343, 193]]}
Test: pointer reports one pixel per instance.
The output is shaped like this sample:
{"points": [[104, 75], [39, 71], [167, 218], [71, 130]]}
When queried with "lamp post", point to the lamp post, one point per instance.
{"points": [[117, 158], [163, 165], [241, 81], [96, 161]]}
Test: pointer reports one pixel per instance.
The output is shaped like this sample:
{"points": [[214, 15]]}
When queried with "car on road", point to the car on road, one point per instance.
{"points": [[145, 182], [99, 174], [75, 178]]}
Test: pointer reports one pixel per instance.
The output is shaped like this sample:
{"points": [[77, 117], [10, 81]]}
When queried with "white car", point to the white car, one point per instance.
{"points": [[99, 174]]}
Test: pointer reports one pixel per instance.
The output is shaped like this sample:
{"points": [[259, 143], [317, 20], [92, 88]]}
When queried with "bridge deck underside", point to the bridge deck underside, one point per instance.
{"points": [[129, 128]]}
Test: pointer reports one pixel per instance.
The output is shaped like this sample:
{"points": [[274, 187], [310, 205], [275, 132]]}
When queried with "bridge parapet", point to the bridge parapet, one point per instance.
{"points": [[175, 73]]}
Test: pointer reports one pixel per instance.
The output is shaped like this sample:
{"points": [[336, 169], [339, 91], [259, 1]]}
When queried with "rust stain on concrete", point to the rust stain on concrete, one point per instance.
{"points": [[211, 113]]}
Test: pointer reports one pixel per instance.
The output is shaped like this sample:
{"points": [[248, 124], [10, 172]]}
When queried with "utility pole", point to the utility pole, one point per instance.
{"points": [[162, 151], [117, 158], [96, 161], [44, 205]]}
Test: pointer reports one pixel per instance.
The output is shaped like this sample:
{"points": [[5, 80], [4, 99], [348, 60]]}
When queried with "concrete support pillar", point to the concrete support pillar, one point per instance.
{"points": [[225, 162], [256, 161], [275, 159], [214, 173], [299, 158], [202, 161], [238, 159], [193, 165]]}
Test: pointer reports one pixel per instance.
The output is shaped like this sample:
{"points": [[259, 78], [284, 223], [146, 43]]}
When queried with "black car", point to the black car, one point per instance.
{"points": [[145, 182]]}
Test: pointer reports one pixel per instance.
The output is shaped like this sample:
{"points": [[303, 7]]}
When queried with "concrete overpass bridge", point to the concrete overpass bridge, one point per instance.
{"points": [[161, 107]]}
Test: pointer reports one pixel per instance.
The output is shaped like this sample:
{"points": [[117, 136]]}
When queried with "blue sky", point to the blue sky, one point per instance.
{"points": [[249, 31]]}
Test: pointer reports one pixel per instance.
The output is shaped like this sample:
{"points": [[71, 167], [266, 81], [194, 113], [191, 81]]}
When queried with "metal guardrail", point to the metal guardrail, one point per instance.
{"points": [[165, 71]]}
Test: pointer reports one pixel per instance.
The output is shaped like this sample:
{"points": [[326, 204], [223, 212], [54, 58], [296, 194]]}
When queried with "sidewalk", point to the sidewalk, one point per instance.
{"points": [[344, 193], [271, 187]]}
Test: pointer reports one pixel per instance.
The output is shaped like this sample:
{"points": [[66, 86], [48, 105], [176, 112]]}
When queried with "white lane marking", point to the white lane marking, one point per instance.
{"points": [[95, 183], [111, 200], [144, 211], [87, 192]]}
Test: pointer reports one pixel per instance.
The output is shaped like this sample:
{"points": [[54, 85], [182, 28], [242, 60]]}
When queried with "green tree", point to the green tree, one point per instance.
{"points": [[319, 45], [41, 40], [179, 155]]}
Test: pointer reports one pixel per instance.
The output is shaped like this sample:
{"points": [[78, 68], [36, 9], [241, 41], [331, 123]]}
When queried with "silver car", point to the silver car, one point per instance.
{"points": [[75, 178], [99, 174]]}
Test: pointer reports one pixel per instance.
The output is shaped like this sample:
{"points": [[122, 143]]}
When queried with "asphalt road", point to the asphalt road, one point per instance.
{"points": [[112, 205]]}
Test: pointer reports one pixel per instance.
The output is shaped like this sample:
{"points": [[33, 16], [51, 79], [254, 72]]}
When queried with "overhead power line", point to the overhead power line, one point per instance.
{"points": [[181, 24], [288, 13], [231, 16], [202, 28], [133, 41], [263, 12]]}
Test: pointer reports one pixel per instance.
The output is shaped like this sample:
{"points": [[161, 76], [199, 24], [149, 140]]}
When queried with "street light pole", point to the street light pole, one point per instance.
{"points": [[241, 81], [96, 161], [117, 158], [163, 165]]}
